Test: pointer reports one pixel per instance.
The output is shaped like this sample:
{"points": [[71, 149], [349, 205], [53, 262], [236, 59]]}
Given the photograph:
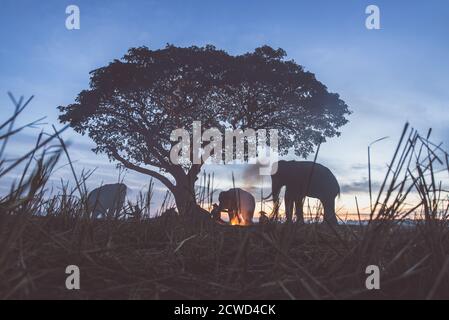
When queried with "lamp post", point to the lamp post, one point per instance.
{"points": [[369, 172]]}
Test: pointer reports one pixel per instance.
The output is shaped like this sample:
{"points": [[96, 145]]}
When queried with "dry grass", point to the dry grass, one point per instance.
{"points": [[162, 258], [191, 257]]}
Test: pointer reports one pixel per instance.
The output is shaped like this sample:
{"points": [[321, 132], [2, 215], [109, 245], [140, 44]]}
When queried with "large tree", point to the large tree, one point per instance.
{"points": [[133, 104]]}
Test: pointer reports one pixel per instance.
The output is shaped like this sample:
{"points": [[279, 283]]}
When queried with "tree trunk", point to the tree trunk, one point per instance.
{"points": [[184, 193]]}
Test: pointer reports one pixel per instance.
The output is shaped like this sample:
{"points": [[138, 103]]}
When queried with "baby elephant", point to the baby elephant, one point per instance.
{"points": [[240, 205]]}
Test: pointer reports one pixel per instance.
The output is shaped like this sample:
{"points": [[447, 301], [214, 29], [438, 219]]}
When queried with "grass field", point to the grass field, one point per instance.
{"points": [[170, 257]]}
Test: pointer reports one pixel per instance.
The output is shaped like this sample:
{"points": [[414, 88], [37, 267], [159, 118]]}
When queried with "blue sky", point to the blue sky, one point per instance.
{"points": [[387, 77]]}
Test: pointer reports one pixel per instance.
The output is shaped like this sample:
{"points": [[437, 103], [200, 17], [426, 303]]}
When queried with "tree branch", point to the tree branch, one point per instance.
{"points": [[146, 171]]}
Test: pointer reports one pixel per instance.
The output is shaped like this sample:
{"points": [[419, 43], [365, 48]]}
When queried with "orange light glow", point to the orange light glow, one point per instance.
{"points": [[237, 220]]}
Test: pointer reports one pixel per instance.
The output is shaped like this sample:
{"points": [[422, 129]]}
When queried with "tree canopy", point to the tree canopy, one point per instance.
{"points": [[133, 104]]}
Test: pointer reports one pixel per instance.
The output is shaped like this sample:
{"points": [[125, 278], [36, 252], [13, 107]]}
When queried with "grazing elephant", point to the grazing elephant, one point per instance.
{"points": [[304, 179], [238, 201], [107, 199]]}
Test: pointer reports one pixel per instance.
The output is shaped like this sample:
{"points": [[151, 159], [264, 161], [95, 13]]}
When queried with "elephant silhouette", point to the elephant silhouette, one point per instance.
{"points": [[304, 179], [106, 200], [240, 205]]}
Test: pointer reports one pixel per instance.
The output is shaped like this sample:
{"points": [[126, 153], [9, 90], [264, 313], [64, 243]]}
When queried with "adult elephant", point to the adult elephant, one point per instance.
{"points": [[304, 179], [240, 205]]}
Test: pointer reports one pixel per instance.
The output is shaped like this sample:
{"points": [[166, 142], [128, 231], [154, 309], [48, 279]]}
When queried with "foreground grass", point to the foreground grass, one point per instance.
{"points": [[172, 258]]}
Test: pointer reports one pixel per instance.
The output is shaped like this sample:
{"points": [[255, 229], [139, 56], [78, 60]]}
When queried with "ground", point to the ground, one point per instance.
{"points": [[176, 257]]}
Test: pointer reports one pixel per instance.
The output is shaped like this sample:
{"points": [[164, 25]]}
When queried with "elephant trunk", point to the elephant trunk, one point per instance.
{"points": [[275, 188]]}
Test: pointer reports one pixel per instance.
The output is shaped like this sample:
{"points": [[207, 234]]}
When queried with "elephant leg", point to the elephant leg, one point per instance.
{"points": [[288, 206], [329, 211], [230, 214], [247, 217], [299, 202]]}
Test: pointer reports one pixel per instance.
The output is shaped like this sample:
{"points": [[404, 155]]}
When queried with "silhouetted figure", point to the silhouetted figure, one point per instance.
{"points": [[304, 179], [263, 219], [215, 213]]}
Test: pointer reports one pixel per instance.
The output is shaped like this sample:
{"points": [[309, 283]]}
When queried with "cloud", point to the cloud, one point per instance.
{"points": [[358, 186]]}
